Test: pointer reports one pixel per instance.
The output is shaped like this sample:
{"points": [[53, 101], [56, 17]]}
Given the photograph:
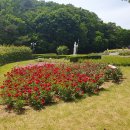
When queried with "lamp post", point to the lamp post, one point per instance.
{"points": [[33, 44]]}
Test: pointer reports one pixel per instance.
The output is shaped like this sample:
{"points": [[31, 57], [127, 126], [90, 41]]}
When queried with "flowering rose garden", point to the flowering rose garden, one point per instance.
{"points": [[39, 84], [62, 67]]}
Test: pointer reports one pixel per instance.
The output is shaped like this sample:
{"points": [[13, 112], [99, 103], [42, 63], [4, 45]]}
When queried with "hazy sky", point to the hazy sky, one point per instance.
{"points": [[116, 11]]}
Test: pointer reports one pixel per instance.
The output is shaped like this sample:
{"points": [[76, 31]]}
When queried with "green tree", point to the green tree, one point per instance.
{"points": [[51, 24], [100, 43], [62, 50]]}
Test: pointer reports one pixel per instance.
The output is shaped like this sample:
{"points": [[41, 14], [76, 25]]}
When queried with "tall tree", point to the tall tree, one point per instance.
{"points": [[51, 25]]}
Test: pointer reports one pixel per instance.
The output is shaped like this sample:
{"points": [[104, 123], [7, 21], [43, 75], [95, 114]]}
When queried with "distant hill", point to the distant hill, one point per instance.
{"points": [[51, 24]]}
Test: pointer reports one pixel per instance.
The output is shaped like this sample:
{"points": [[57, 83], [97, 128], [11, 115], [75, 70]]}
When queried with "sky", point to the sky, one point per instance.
{"points": [[116, 11]]}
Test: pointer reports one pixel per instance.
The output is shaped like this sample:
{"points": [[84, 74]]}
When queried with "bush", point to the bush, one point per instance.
{"points": [[72, 58], [40, 84], [57, 61], [13, 53], [62, 50], [83, 57], [47, 56], [113, 74]]}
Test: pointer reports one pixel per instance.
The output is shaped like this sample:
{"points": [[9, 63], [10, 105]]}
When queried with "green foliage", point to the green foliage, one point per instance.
{"points": [[50, 24], [13, 53], [75, 58], [115, 60], [72, 58], [113, 74], [40, 84], [49, 56], [62, 50], [18, 105]]}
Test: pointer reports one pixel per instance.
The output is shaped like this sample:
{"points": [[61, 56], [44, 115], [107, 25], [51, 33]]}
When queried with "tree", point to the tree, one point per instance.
{"points": [[62, 50], [50, 25], [100, 43]]}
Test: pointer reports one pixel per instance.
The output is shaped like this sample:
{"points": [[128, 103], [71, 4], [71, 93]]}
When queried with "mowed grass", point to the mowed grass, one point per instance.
{"points": [[109, 110]]}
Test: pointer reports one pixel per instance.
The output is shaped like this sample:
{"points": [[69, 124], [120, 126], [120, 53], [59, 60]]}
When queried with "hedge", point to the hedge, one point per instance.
{"points": [[12, 53], [72, 58], [89, 56]]}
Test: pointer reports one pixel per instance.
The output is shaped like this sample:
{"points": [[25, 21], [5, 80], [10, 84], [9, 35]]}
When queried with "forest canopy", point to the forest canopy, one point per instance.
{"points": [[51, 25]]}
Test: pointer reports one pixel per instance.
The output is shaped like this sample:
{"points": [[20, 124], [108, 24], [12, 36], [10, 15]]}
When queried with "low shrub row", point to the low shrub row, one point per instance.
{"points": [[52, 60], [40, 84], [12, 53], [72, 58], [76, 58], [47, 56]]}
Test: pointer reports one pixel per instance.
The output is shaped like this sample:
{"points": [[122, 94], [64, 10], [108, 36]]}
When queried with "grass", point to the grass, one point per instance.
{"points": [[117, 50], [115, 60], [110, 110]]}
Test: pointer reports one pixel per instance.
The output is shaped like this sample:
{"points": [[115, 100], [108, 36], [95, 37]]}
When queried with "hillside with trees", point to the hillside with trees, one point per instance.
{"points": [[50, 25]]}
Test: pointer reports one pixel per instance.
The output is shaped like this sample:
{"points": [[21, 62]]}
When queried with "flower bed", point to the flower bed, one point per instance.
{"points": [[40, 84]]}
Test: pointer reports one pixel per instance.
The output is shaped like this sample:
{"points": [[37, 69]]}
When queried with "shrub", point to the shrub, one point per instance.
{"points": [[72, 58], [52, 60], [83, 57], [13, 53], [47, 56], [113, 74], [62, 50], [40, 84]]}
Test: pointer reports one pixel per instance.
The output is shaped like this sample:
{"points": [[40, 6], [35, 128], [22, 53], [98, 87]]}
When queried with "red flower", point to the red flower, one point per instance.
{"points": [[16, 95], [48, 89], [2, 87], [29, 91], [9, 95], [43, 101], [36, 89], [36, 81], [78, 89]]}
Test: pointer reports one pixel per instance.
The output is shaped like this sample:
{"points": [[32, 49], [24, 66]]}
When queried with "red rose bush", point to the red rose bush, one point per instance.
{"points": [[40, 84]]}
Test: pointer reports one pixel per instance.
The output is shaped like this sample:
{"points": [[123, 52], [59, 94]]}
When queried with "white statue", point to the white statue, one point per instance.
{"points": [[75, 48]]}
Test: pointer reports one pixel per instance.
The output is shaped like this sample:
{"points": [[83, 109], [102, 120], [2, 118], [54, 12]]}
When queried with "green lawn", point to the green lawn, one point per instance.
{"points": [[110, 110]]}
